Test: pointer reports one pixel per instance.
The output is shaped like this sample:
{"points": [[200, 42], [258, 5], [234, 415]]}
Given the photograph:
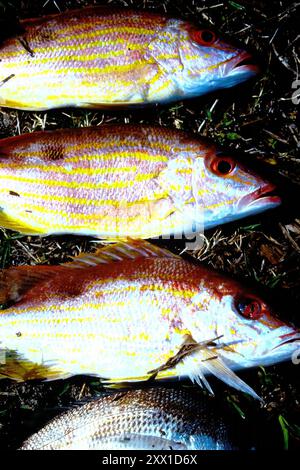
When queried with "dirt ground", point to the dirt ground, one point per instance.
{"points": [[258, 120]]}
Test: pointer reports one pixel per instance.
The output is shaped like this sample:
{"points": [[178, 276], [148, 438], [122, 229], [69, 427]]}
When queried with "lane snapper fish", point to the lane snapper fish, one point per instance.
{"points": [[97, 57], [153, 419], [133, 312], [122, 181]]}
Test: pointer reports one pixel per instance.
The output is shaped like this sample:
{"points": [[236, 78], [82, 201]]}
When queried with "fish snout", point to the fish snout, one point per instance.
{"points": [[289, 338], [279, 345], [241, 64], [263, 198]]}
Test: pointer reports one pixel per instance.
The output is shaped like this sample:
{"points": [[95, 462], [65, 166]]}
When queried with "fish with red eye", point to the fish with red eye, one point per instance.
{"points": [[204, 37], [249, 308], [62, 74]]}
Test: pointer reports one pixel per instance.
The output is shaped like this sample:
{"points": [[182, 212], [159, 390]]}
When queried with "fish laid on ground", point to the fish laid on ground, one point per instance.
{"points": [[153, 419], [134, 312], [123, 181], [97, 57]]}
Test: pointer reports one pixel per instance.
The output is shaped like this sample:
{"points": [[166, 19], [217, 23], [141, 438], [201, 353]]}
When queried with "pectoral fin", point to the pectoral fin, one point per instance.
{"points": [[207, 361], [196, 360]]}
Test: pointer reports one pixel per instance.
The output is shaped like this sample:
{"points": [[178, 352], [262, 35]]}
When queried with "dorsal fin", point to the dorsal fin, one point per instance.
{"points": [[131, 250], [16, 281]]}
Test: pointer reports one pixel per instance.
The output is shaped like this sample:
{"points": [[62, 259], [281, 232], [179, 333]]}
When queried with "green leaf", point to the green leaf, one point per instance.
{"points": [[237, 408], [233, 136], [236, 5], [250, 228], [285, 431], [274, 281], [64, 390]]}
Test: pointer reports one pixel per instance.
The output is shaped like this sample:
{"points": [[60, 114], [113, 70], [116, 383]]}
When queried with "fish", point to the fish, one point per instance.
{"points": [[135, 312], [145, 419], [98, 57], [124, 181]]}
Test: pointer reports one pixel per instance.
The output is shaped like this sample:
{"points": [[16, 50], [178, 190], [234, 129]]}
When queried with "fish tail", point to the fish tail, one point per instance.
{"points": [[18, 369], [15, 282]]}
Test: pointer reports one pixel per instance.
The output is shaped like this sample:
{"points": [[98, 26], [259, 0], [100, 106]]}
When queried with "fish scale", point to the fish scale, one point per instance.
{"points": [[97, 57], [154, 419], [75, 323], [121, 181]]}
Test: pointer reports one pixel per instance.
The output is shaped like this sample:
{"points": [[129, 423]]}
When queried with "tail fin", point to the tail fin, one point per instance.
{"points": [[16, 368], [16, 225]]}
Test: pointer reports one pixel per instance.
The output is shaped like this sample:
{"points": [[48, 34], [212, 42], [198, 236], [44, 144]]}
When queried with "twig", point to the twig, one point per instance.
{"points": [[283, 61]]}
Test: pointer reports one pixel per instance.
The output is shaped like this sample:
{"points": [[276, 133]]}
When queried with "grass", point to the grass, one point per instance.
{"points": [[257, 120]]}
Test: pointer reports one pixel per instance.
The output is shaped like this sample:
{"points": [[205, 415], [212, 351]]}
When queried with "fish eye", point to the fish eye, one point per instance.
{"points": [[249, 308], [222, 166], [205, 37]]}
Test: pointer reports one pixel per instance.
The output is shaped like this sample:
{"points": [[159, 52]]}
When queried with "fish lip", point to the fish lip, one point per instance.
{"points": [[236, 65], [260, 198], [295, 338]]}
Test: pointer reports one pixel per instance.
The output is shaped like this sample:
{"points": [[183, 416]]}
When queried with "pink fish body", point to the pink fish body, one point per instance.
{"points": [[123, 181], [96, 57]]}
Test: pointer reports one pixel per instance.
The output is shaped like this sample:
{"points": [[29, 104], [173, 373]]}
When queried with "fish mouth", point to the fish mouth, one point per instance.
{"points": [[290, 338], [243, 64], [263, 198]]}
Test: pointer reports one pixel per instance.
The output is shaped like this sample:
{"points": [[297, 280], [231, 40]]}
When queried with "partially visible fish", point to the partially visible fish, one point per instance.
{"points": [[96, 57], [153, 419], [135, 312], [123, 181]]}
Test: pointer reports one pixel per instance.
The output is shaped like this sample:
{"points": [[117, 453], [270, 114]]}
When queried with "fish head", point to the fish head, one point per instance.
{"points": [[226, 190], [209, 63], [247, 332]]}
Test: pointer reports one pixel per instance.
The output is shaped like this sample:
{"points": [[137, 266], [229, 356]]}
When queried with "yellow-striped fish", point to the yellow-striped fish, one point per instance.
{"points": [[97, 57], [123, 181], [134, 312]]}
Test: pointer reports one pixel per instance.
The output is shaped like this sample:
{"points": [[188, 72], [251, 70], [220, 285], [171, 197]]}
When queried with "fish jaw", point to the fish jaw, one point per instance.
{"points": [[270, 342], [239, 69], [252, 204], [282, 347], [281, 353], [225, 75], [259, 200]]}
